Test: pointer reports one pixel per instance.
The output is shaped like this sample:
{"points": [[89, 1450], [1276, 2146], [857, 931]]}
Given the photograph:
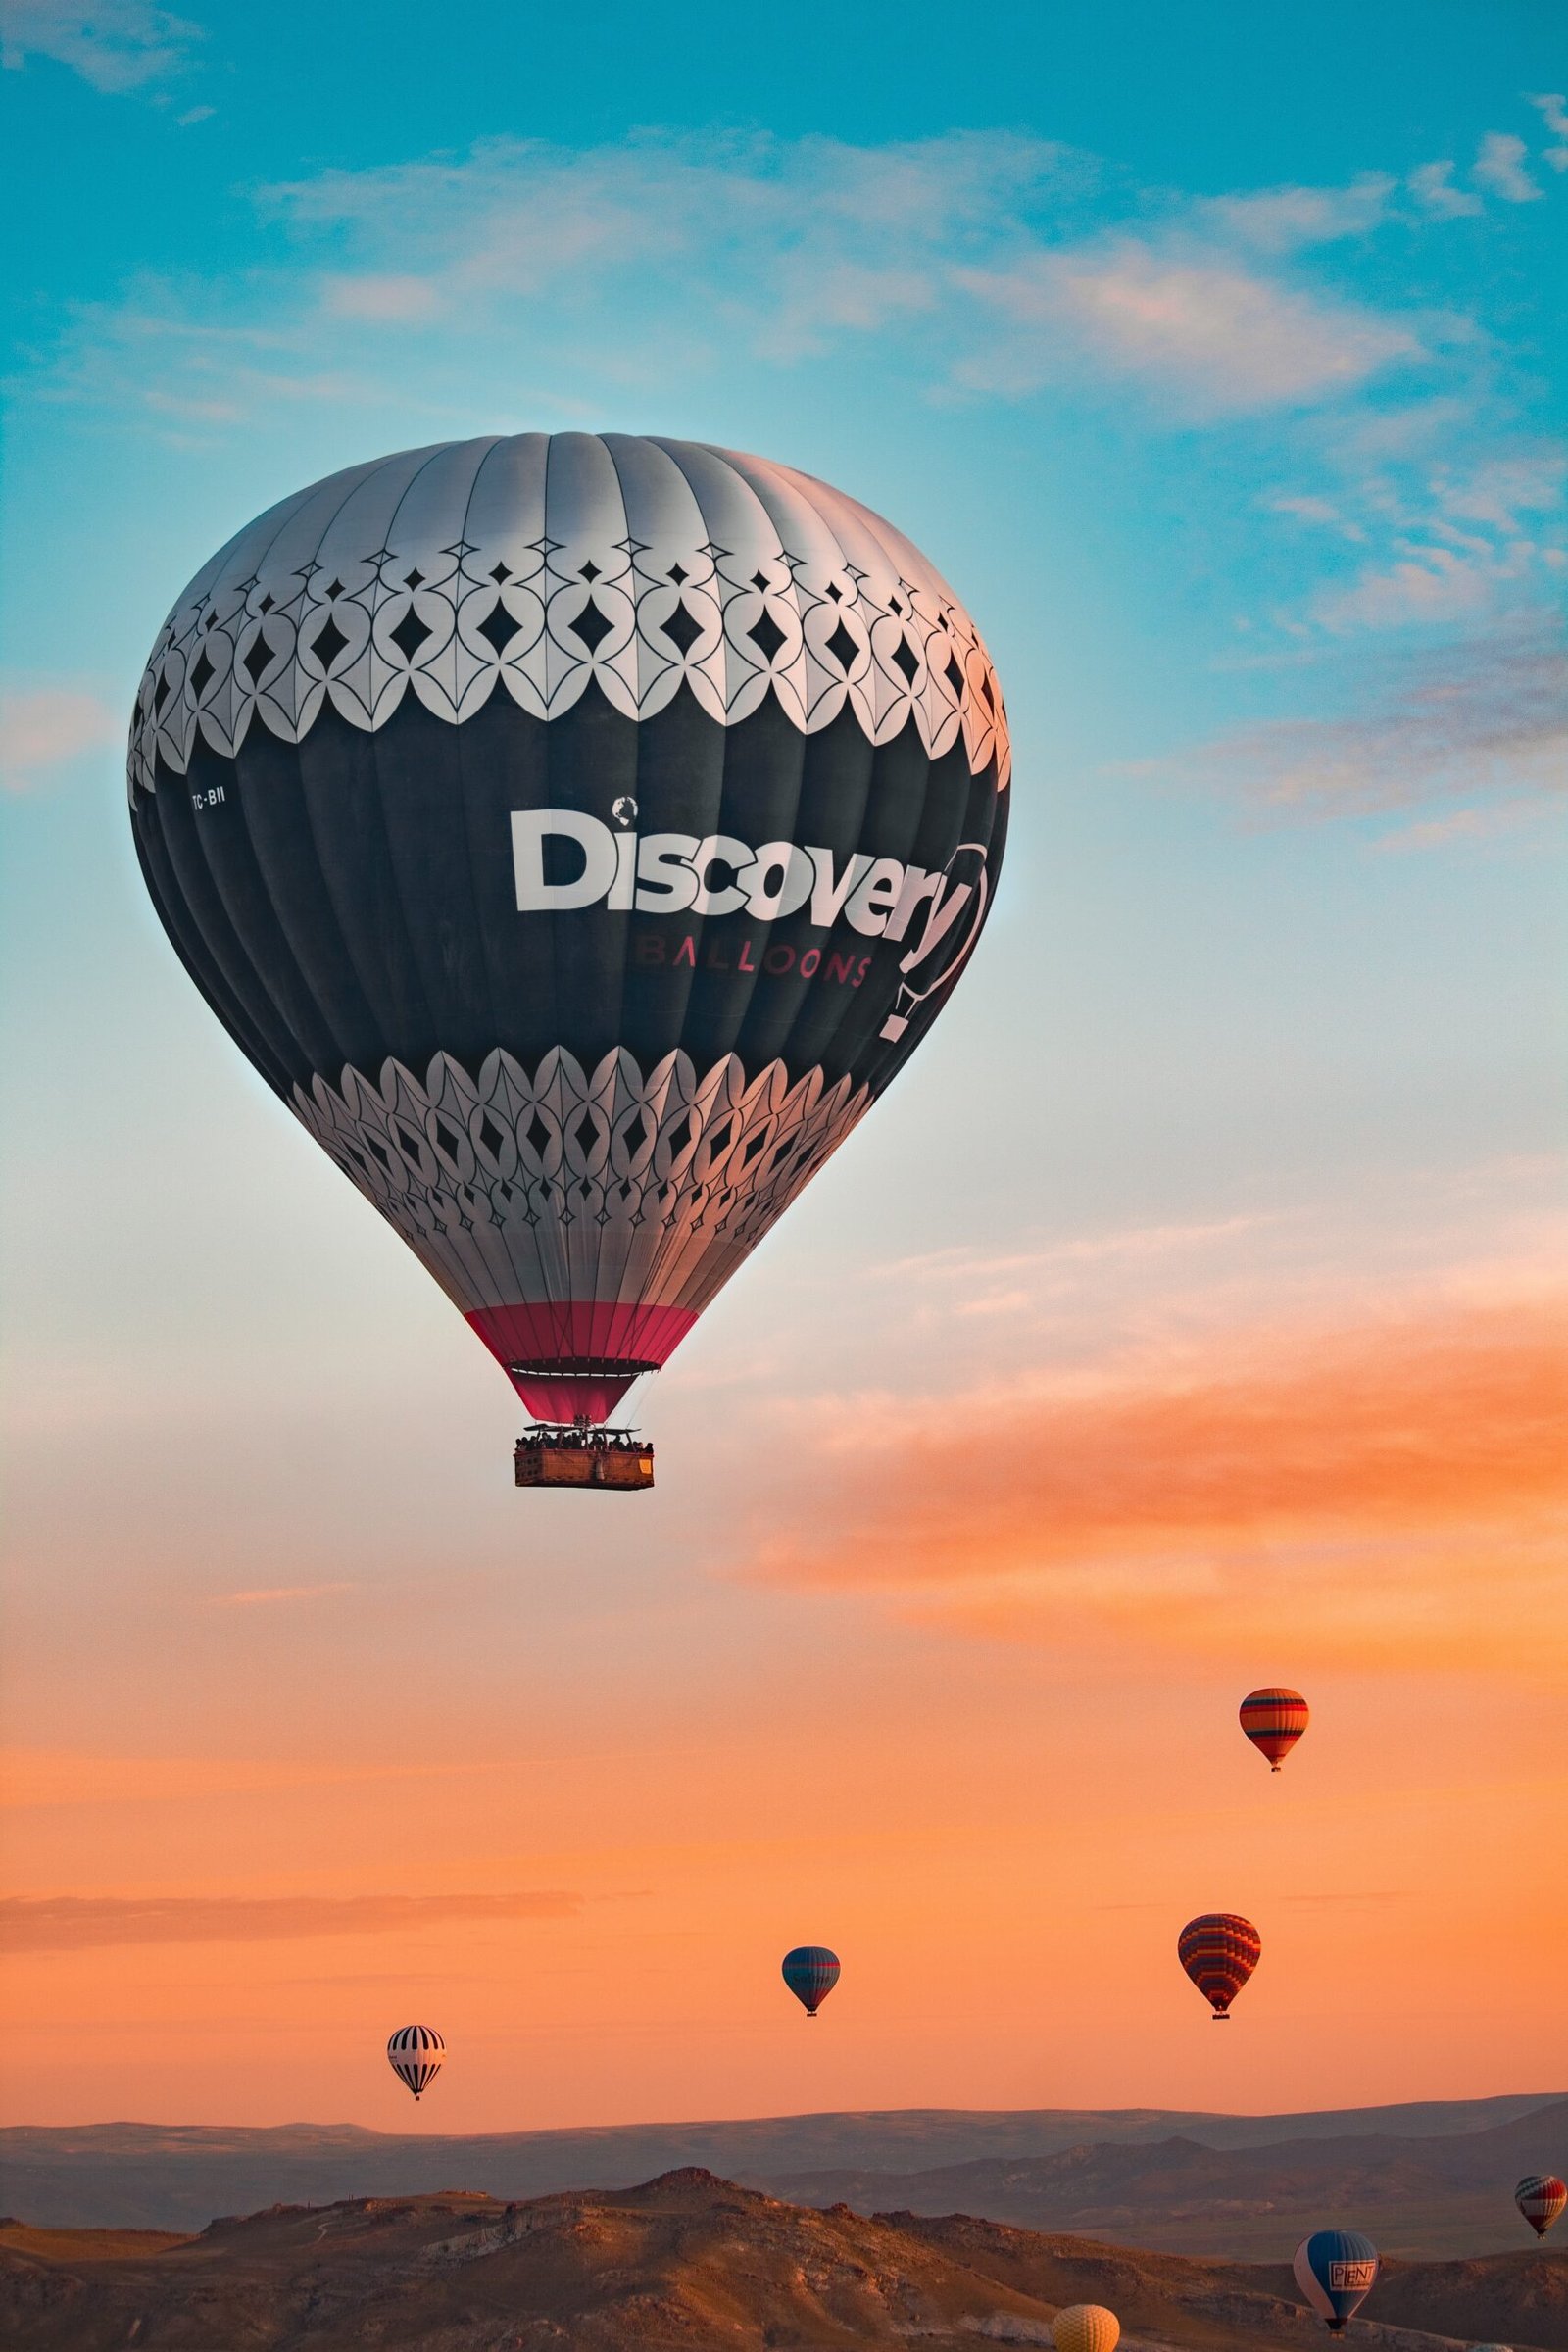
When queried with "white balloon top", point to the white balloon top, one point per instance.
{"points": [[536, 562]]}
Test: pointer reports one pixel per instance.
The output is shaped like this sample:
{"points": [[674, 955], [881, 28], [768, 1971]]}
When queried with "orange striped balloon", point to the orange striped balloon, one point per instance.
{"points": [[1274, 1719]]}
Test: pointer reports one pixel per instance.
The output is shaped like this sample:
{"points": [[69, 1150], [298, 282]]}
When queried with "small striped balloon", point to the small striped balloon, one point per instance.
{"points": [[1219, 1952], [1274, 1719], [811, 1971], [1541, 2198], [1086, 2327], [415, 2053]]}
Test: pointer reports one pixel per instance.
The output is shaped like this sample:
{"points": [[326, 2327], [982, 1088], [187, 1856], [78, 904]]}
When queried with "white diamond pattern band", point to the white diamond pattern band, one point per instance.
{"points": [[565, 1184], [484, 566]]}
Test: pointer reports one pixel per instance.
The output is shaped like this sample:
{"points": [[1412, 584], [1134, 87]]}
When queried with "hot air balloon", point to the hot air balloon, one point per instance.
{"points": [[1274, 1719], [415, 2054], [1086, 2327], [1541, 2198], [1336, 2270], [1219, 1952], [579, 834], [811, 1971]]}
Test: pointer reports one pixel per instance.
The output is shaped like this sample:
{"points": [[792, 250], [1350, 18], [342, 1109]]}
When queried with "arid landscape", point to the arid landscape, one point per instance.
{"points": [[1429, 2180], [693, 2260]]}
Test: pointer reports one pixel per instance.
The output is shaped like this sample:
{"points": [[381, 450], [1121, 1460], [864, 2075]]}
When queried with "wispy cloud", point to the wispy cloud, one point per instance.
{"points": [[1501, 168], [83, 1923], [1362, 1469], [267, 1595], [117, 47], [43, 729], [1552, 108], [1489, 720], [1432, 186], [1215, 338]]}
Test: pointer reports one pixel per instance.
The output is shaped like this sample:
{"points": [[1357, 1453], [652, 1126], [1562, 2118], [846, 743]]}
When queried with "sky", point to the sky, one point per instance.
{"points": [[1188, 1317]]}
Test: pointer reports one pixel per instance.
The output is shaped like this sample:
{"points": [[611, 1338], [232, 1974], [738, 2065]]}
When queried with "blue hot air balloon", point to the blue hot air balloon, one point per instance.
{"points": [[1336, 2270], [811, 1971]]}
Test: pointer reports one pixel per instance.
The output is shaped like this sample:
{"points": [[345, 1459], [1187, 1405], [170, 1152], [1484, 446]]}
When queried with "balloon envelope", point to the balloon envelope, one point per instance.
{"points": [[1541, 2198], [579, 834], [1086, 2327], [416, 2053], [1219, 1951], [1336, 2270], [1274, 1719], [811, 1971]]}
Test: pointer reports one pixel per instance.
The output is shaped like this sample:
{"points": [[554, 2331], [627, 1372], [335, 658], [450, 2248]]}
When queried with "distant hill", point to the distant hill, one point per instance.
{"points": [[177, 2177], [691, 2263], [1447, 2194]]}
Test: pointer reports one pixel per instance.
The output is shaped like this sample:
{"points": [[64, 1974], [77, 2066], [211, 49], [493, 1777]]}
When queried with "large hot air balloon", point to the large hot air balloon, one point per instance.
{"points": [[1219, 1952], [415, 2054], [811, 1971], [579, 833], [1274, 1719], [1336, 2270], [1086, 2327], [1541, 2198]]}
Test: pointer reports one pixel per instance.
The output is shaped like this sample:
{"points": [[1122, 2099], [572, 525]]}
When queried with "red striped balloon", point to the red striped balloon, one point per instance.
{"points": [[1541, 2199], [1274, 1719], [1219, 1952]]}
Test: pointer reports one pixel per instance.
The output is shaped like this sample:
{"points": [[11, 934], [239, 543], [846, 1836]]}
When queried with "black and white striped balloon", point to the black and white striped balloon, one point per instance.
{"points": [[415, 2054]]}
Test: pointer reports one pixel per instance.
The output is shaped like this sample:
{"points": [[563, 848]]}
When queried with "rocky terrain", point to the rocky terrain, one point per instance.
{"points": [[693, 2262], [1431, 2179], [1443, 2195]]}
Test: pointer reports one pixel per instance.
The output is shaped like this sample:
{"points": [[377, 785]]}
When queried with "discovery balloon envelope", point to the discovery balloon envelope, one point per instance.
{"points": [[1541, 2198], [579, 834], [416, 2054], [811, 1971], [1219, 1951], [1274, 1719], [1336, 2270]]}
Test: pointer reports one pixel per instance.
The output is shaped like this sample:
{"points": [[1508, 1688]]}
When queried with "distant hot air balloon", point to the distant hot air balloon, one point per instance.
{"points": [[1086, 2327], [1219, 1952], [811, 1971], [415, 2053], [1336, 2270], [1541, 2198], [1274, 1719], [579, 834]]}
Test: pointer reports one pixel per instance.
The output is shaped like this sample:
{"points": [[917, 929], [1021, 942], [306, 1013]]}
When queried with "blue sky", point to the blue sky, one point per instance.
{"points": [[1213, 353]]}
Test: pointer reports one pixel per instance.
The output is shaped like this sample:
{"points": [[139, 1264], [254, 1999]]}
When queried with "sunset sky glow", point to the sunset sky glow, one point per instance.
{"points": [[1190, 1315]]}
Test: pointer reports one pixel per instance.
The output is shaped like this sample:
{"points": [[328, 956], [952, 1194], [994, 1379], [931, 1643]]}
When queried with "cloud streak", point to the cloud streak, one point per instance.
{"points": [[84, 1923], [46, 728], [1489, 722], [1174, 1497], [118, 46]]}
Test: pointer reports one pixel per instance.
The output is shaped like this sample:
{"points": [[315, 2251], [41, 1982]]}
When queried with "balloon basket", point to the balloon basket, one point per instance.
{"points": [[608, 1461]]}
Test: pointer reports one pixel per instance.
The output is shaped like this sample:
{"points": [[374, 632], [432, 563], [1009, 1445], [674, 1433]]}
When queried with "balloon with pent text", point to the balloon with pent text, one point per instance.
{"points": [[1336, 2270], [579, 833]]}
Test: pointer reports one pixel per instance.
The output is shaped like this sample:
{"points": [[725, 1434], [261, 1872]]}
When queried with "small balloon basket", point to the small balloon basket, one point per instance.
{"points": [[612, 1460]]}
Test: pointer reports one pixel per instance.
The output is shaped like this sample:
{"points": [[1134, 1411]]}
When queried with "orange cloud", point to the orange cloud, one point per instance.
{"points": [[81, 1922], [1387, 1470]]}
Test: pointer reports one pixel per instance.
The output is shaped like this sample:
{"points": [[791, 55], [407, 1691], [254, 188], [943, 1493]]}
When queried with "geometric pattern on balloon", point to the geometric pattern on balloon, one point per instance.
{"points": [[824, 612], [1219, 1951], [564, 1183]]}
